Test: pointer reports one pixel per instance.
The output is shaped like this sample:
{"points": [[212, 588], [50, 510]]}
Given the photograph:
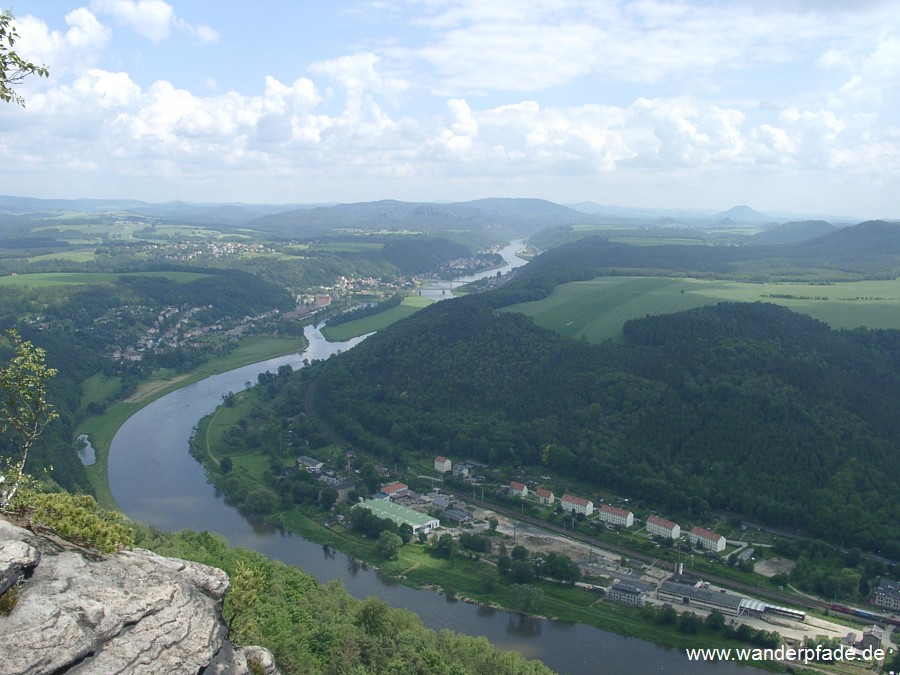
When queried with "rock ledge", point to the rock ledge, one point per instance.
{"points": [[131, 612]]}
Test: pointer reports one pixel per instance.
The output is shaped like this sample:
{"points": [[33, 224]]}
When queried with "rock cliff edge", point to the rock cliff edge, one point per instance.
{"points": [[132, 612]]}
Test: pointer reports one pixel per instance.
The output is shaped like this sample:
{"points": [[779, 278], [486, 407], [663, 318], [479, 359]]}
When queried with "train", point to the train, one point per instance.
{"points": [[864, 614]]}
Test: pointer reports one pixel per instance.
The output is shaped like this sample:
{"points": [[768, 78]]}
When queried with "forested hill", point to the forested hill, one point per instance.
{"points": [[870, 249], [503, 216], [745, 406]]}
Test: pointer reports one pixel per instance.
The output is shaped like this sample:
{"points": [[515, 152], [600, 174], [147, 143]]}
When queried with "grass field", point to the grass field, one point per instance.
{"points": [[597, 309], [78, 255], [44, 279], [349, 246], [376, 322]]}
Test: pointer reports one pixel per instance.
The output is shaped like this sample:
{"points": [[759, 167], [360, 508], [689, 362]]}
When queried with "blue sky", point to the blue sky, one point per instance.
{"points": [[787, 106]]}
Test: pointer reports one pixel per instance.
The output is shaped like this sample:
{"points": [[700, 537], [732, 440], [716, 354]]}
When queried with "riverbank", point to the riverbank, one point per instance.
{"points": [[101, 429], [464, 576]]}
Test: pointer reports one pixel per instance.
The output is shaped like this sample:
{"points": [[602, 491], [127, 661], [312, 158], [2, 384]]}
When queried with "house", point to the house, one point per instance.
{"points": [[576, 504], [872, 637], [342, 485], [442, 464], [309, 463], [458, 516], [518, 489], [614, 516], [700, 536], [660, 527], [626, 594], [887, 595], [395, 490], [463, 469], [545, 496]]}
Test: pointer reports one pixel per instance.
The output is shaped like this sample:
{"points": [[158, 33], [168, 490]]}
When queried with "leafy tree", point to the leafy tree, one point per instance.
{"points": [[689, 623], [526, 598], [13, 68], [25, 410], [446, 546], [715, 620], [388, 546]]}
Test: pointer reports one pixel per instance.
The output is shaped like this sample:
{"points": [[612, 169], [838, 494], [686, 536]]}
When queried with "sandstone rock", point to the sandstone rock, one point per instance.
{"points": [[131, 612]]}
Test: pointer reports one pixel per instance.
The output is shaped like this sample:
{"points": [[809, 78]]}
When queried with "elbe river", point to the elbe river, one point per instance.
{"points": [[154, 480]]}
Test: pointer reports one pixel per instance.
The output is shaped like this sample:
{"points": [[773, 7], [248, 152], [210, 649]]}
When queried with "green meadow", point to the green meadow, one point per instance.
{"points": [[44, 279], [376, 322], [596, 310], [350, 246]]}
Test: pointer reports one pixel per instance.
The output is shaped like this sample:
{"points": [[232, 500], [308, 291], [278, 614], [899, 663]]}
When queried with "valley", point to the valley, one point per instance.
{"points": [[524, 399]]}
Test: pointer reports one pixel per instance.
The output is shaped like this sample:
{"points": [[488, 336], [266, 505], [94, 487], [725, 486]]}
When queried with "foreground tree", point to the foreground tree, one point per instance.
{"points": [[13, 68], [25, 410]]}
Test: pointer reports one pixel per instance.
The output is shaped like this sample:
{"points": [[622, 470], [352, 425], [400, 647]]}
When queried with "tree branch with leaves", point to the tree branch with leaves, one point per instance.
{"points": [[25, 410], [13, 68]]}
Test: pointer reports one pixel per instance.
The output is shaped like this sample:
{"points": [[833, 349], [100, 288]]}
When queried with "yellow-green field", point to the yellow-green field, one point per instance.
{"points": [[45, 279], [376, 322], [597, 309]]}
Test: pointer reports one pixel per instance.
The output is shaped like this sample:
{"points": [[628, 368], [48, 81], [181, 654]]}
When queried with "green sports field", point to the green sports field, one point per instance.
{"points": [[597, 309]]}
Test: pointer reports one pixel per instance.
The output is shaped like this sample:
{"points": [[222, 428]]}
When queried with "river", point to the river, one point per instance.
{"points": [[154, 480]]}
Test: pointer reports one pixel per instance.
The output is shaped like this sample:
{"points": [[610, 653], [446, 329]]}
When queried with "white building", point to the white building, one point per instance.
{"points": [[700, 536], [518, 489], [577, 504], [545, 496], [442, 464], [887, 595], [626, 594], [613, 516], [660, 527]]}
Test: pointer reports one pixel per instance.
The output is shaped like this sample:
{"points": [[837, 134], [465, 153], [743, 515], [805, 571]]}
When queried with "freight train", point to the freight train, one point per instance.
{"points": [[864, 614]]}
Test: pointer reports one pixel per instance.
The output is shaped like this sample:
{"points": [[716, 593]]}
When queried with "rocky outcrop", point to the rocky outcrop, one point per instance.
{"points": [[131, 612]]}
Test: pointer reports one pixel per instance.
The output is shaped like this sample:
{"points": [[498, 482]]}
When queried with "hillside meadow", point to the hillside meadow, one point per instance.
{"points": [[45, 279], [376, 322], [597, 309]]}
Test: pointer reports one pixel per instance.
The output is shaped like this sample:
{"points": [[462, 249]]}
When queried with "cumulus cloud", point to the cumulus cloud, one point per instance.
{"points": [[64, 52], [154, 19], [479, 95]]}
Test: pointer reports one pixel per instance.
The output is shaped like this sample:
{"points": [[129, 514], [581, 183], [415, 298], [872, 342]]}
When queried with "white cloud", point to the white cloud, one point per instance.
{"points": [[151, 18], [154, 19], [72, 51]]}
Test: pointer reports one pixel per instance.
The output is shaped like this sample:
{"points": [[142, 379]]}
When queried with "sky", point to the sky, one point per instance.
{"points": [[788, 106]]}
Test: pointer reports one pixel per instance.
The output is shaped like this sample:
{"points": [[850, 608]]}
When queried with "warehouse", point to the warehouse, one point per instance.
{"points": [[683, 592], [420, 522]]}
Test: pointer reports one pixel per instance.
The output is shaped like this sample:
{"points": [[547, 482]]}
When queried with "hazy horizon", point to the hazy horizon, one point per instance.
{"points": [[786, 107]]}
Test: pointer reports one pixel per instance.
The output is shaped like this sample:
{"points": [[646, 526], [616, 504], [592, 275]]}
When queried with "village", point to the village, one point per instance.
{"points": [[617, 578]]}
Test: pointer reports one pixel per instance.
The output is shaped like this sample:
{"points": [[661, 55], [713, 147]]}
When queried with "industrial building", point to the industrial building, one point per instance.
{"points": [[383, 508]]}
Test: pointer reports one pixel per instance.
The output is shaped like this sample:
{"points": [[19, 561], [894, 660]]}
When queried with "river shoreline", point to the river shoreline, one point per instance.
{"points": [[157, 482], [101, 429]]}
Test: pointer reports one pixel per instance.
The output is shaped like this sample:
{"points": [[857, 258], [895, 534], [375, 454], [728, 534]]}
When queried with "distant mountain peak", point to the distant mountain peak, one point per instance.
{"points": [[742, 214]]}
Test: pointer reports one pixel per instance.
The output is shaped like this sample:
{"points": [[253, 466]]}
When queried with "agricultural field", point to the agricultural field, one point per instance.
{"points": [[376, 322], [597, 309], [350, 246], [45, 279]]}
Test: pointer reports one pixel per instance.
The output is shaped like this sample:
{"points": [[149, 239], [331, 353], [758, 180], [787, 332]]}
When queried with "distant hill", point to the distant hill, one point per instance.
{"points": [[870, 249], [503, 216], [740, 215], [793, 232]]}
